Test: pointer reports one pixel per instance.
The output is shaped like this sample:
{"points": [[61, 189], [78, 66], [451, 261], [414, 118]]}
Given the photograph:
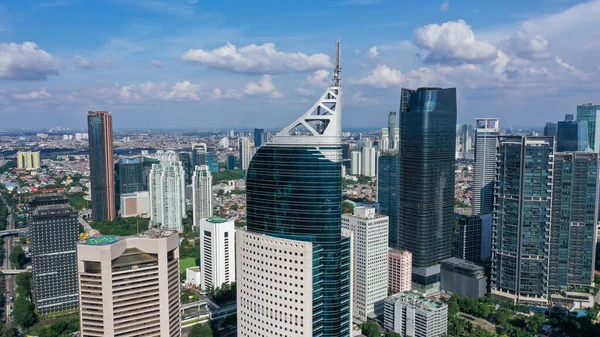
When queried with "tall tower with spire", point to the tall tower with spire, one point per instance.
{"points": [[293, 270]]}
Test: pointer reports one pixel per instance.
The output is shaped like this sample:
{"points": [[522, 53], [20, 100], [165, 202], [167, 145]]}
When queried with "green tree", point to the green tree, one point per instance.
{"points": [[24, 282], [393, 334], [201, 330], [17, 257], [234, 207], [453, 307], [24, 313], [371, 329]]}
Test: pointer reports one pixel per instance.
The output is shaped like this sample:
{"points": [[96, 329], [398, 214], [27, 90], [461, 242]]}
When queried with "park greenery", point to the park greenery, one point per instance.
{"points": [[61, 328], [77, 201], [24, 310], [227, 175], [122, 226], [17, 257], [224, 294]]}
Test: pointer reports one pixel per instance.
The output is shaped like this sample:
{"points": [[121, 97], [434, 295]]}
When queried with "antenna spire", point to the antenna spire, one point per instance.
{"points": [[336, 80]]}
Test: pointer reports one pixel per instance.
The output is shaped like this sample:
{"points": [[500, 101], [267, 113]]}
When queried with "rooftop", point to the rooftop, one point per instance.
{"points": [[417, 301], [216, 219], [102, 240]]}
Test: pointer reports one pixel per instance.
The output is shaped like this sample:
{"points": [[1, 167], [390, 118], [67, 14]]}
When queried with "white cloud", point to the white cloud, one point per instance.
{"points": [[382, 77], [155, 64], [256, 59], [373, 52], [320, 78], [304, 92], [183, 91], [33, 95], [218, 94], [264, 87], [445, 6], [26, 62], [452, 42], [526, 47], [83, 63]]}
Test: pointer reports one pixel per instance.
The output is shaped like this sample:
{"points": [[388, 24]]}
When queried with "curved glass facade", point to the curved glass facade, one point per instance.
{"points": [[296, 193]]}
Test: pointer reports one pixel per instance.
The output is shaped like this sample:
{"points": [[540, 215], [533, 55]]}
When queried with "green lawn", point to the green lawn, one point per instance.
{"points": [[186, 263]]}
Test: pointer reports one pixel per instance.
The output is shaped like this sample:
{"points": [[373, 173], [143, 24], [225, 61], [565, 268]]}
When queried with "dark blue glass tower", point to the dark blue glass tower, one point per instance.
{"points": [[129, 176], [258, 136], [102, 174], [426, 188], [387, 192], [567, 134]]}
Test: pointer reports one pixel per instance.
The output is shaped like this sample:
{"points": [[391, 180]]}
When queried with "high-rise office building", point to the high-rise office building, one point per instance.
{"points": [[411, 315], [467, 240], [370, 261], [567, 136], [588, 114], [346, 155], [569, 117], [550, 129], [135, 204], [129, 177], [212, 160], [198, 154], [487, 131], [54, 235], [464, 278], [202, 194], [129, 286], [293, 242], [258, 137], [427, 145], [399, 270], [186, 161], [522, 213], [102, 179], [356, 160], [28, 160], [231, 162], [388, 192], [573, 221], [167, 194], [244, 152], [393, 131], [369, 160], [465, 136], [217, 265]]}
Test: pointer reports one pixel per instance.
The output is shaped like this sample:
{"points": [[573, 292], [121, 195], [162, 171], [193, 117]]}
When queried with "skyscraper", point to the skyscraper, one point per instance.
{"points": [[244, 152], [212, 160], [467, 241], [486, 132], [369, 160], [521, 232], [167, 193], [129, 176], [102, 180], [130, 285], [356, 163], [258, 137], [588, 113], [466, 140], [202, 194], [573, 222], [186, 161], [198, 154], [54, 234], [388, 192], [217, 265], [231, 162], [427, 150], [346, 155], [567, 136], [293, 240], [393, 136], [550, 129]]}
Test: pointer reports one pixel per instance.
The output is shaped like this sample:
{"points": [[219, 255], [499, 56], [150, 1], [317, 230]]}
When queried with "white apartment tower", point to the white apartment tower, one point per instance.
{"points": [[356, 163], [167, 193], [487, 131], [244, 149], [369, 158], [370, 261], [202, 194], [129, 286], [217, 265]]}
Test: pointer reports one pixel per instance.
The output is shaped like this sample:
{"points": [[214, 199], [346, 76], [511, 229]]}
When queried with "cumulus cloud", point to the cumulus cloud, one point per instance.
{"points": [[373, 52], [526, 47], [26, 62], [304, 91], [452, 42], [319, 78], [83, 63], [256, 59], [33, 95], [155, 64], [183, 91], [382, 77], [445, 6], [263, 87]]}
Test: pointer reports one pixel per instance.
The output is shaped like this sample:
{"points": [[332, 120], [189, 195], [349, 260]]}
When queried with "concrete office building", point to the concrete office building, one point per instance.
{"points": [[356, 163], [399, 270], [369, 161], [467, 240], [129, 286], [201, 194], [522, 213], [135, 204], [589, 115], [217, 248], [464, 278], [244, 152], [198, 154], [54, 235], [411, 315], [167, 193], [484, 174], [370, 261], [28, 160], [102, 168]]}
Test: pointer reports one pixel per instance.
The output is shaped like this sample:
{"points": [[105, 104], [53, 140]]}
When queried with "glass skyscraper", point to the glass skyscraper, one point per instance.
{"points": [[293, 198], [426, 188], [567, 136], [129, 176], [387, 192], [258, 136], [589, 114], [486, 132], [186, 161], [573, 224], [521, 232], [102, 175]]}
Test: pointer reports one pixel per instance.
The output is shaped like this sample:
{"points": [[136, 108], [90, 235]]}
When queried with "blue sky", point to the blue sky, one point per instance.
{"points": [[243, 64]]}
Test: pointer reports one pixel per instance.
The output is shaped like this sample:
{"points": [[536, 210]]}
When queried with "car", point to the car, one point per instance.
{"points": [[12, 299]]}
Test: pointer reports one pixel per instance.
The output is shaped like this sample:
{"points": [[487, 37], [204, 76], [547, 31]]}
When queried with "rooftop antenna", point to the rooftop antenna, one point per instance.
{"points": [[336, 80]]}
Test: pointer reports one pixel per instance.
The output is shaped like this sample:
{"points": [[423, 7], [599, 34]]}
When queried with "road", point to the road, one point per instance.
{"points": [[86, 226], [9, 280]]}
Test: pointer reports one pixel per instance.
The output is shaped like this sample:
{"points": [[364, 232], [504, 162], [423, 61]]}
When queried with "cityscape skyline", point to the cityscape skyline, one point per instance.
{"points": [[491, 54]]}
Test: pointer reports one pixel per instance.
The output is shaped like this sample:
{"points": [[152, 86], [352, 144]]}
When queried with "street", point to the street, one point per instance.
{"points": [[9, 280]]}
